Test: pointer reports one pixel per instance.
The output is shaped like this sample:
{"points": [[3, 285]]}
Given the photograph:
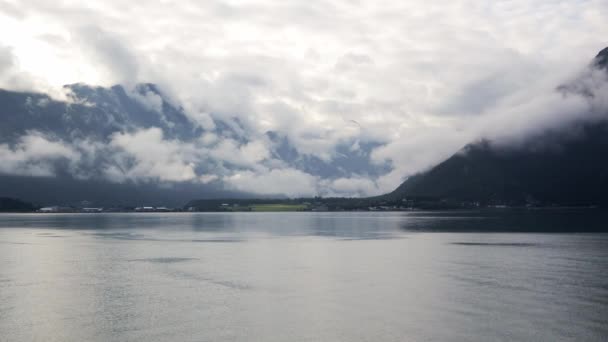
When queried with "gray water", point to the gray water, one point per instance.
{"points": [[462, 276]]}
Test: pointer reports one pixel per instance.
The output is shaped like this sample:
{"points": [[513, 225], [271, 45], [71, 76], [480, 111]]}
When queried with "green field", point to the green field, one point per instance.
{"points": [[277, 207]]}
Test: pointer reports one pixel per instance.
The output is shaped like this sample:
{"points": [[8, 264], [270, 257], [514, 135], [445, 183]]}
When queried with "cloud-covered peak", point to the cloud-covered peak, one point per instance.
{"points": [[138, 135], [353, 90]]}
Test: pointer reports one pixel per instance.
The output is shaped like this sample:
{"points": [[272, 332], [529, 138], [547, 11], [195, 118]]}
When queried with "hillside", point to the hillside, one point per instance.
{"points": [[127, 146], [14, 205], [566, 166]]}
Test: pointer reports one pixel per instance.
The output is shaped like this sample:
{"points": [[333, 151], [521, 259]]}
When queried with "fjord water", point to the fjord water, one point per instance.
{"points": [[417, 276]]}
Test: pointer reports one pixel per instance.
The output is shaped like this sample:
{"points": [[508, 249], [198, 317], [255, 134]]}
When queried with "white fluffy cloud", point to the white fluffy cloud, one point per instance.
{"points": [[423, 78], [244, 155], [145, 154], [290, 182], [350, 187], [35, 155]]}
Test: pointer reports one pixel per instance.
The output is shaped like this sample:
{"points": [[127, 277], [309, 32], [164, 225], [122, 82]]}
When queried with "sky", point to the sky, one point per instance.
{"points": [[420, 79]]}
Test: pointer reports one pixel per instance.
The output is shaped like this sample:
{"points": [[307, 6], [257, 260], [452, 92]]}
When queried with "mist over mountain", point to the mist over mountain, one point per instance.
{"points": [[601, 60], [131, 146], [316, 98], [564, 165]]}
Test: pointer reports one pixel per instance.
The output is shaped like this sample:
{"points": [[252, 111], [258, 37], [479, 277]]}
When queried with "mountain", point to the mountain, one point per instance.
{"points": [[13, 205], [566, 166], [90, 115], [92, 112], [134, 146], [601, 60]]}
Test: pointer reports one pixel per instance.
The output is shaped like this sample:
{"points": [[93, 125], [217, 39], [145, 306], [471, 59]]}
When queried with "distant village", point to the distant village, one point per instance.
{"points": [[89, 207], [62, 209], [316, 204]]}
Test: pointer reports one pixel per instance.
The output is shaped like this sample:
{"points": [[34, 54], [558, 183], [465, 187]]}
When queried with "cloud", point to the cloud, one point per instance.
{"points": [[351, 187], [6, 60], [11, 76], [290, 182], [421, 79], [146, 155], [150, 100], [35, 155], [109, 53], [244, 155], [11, 10]]}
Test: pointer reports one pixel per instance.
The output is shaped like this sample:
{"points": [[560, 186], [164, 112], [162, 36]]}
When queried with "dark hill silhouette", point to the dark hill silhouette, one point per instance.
{"points": [[8, 204]]}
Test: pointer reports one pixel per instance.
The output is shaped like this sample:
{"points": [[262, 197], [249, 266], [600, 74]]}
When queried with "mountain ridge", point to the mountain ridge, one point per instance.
{"points": [[91, 132]]}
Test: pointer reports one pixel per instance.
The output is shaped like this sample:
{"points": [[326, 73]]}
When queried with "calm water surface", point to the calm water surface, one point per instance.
{"points": [[419, 276]]}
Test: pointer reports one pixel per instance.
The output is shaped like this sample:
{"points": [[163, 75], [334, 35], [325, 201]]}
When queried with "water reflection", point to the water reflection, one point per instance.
{"points": [[340, 225], [516, 220], [303, 277]]}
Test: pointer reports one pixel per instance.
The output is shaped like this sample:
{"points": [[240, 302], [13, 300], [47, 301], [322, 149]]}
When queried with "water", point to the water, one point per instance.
{"points": [[421, 276]]}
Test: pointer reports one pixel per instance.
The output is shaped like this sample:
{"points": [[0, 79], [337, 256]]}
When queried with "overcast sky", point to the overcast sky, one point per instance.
{"points": [[422, 78]]}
